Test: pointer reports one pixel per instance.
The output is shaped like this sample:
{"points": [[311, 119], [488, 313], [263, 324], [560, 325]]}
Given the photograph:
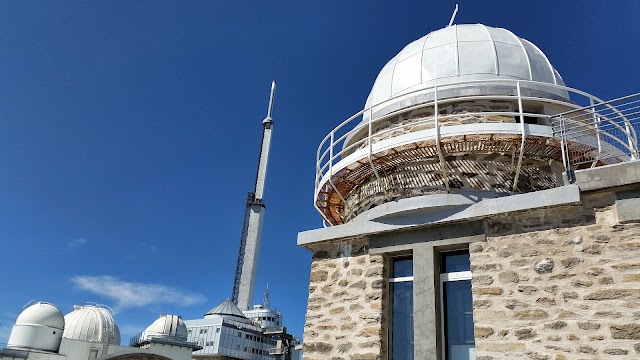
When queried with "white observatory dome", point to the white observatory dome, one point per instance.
{"points": [[166, 326], [39, 326], [91, 323], [462, 53]]}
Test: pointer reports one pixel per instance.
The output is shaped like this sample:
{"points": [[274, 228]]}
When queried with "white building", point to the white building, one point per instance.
{"points": [[228, 333], [41, 332]]}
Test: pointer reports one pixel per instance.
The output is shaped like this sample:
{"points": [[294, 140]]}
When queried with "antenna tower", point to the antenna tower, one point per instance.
{"points": [[243, 284], [266, 301]]}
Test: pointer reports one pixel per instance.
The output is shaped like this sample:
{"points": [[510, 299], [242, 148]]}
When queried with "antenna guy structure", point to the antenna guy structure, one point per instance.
{"points": [[246, 266]]}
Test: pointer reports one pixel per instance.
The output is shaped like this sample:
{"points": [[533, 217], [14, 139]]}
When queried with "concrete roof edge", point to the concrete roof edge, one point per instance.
{"points": [[608, 176], [564, 195]]}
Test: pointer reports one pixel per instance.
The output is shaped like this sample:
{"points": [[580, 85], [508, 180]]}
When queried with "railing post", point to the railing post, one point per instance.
{"points": [[630, 140], [596, 124], [522, 140], [438, 148], [370, 151], [564, 144], [333, 186]]}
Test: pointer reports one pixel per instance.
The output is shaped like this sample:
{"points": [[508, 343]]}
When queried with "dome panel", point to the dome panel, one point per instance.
{"points": [[559, 79], [438, 63], [440, 37], [502, 36], [388, 66], [472, 33], [407, 73], [411, 49], [540, 67], [382, 89], [476, 57], [510, 60]]}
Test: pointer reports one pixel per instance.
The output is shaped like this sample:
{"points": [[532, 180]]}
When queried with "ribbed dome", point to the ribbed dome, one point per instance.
{"points": [[462, 53], [170, 326], [42, 313], [91, 323]]}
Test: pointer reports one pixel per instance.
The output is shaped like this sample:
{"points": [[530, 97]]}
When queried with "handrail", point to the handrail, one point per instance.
{"points": [[613, 121]]}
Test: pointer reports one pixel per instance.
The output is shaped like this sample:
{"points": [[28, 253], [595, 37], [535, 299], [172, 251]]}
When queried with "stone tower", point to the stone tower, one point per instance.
{"points": [[476, 208]]}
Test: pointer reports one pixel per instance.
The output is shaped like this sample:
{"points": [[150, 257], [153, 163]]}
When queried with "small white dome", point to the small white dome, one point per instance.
{"points": [[462, 53], [166, 326], [91, 323], [41, 313], [39, 327]]}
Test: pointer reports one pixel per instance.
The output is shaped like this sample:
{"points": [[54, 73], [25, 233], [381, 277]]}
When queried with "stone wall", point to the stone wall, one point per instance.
{"points": [[346, 305], [558, 284]]}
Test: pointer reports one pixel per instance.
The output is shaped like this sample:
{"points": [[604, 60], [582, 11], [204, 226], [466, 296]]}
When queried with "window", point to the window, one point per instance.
{"points": [[456, 306], [93, 353], [401, 289]]}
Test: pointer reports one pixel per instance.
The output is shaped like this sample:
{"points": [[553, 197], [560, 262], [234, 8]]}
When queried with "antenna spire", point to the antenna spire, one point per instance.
{"points": [[246, 266], [455, 11], [268, 119], [266, 301]]}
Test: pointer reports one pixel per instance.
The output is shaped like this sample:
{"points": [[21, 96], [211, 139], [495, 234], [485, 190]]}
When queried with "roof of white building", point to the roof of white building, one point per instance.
{"points": [[227, 307]]}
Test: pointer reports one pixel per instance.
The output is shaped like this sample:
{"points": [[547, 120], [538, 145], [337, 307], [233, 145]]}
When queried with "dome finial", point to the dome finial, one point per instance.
{"points": [[455, 11]]}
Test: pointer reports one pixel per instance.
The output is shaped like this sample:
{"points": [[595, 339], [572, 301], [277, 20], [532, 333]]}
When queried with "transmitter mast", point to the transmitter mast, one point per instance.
{"points": [[246, 266]]}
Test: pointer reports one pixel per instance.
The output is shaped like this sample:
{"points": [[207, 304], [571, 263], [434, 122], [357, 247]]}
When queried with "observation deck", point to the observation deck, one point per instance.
{"points": [[494, 137]]}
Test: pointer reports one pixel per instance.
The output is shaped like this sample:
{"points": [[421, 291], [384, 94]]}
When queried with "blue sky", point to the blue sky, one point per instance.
{"points": [[130, 130]]}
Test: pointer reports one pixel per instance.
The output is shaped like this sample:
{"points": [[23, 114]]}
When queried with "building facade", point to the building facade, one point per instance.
{"points": [[228, 333], [477, 208]]}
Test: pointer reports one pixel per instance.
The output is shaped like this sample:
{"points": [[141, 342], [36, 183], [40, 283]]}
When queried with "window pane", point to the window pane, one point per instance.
{"points": [[402, 328], [460, 343], [455, 261], [402, 267]]}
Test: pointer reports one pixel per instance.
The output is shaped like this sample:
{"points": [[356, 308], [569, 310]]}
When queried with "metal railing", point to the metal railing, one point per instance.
{"points": [[140, 340], [607, 130], [585, 118]]}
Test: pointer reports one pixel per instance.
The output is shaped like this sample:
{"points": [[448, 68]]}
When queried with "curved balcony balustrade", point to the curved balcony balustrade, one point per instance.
{"points": [[501, 136]]}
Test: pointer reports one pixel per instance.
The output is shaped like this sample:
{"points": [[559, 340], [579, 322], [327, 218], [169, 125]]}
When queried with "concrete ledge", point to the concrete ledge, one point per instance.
{"points": [[628, 206], [427, 216], [441, 237], [608, 176], [435, 202]]}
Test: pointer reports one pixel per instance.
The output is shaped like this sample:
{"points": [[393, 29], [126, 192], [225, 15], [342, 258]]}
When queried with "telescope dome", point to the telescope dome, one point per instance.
{"points": [[91, 323], [459, 54], [39, 326], [166, 326]]}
